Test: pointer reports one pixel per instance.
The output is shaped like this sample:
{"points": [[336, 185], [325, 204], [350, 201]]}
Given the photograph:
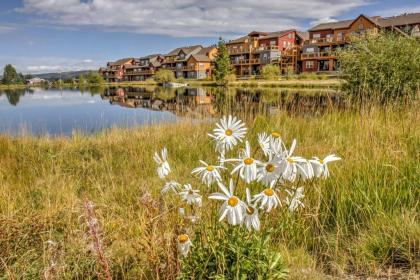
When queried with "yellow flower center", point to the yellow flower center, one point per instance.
{"points": [[248, 161], [321, 161], [210, 168], [190, 192], [290, 160], [228, 132], [183, 238], [268, 192], [233, 201], [275, 134], [269, 167], [250, 210]]}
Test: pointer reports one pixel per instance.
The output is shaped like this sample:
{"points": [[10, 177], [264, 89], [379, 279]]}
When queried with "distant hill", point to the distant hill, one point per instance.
{"points": [[62, 75]]}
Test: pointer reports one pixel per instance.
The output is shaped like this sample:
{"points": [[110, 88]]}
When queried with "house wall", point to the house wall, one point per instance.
{"points": [[306, 68], [288, 39]]}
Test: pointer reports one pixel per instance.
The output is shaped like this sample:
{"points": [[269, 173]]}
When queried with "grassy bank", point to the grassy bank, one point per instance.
{"points": [[3, 87], [363, 220], [291, 83]]}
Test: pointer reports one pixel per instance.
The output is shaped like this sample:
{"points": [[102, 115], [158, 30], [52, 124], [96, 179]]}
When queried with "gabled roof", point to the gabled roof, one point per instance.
{"points": [[341, 24], [201, 58], [238, 40], [121, 61], [257, 33], [277, 34], [187, 50], [150, 56], [205, 51], [303, 34], [400, 20]]}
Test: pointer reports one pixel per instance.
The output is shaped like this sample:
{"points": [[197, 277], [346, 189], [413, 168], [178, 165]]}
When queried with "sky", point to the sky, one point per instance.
{"points": [[41, 36]]}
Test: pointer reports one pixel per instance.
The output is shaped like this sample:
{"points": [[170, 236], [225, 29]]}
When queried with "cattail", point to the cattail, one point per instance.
{"points": [[94, 233]]}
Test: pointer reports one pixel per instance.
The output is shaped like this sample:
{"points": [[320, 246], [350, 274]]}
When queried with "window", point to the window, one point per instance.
{"points": [[273, 43], [309, 64], [316, 36], [310, 50]]}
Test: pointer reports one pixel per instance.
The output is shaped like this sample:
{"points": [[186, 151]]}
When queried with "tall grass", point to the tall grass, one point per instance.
{"points": [[364, 220]]}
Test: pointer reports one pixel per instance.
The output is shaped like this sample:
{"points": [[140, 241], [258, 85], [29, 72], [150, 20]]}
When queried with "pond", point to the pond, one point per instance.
{"points": [[63, 111]]}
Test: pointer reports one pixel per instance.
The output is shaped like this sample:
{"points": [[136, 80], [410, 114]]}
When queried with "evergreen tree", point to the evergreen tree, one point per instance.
{"points": [[222, 66], [10, 76]]}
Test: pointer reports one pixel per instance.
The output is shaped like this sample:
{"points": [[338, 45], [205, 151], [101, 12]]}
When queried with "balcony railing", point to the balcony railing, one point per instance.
{"points": [[327, 40], [246, 61], [267, 48], [138, 73], [318, 55], [239, 51]]}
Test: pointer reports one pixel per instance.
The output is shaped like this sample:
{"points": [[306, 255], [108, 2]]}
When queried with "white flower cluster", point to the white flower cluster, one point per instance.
{"points": [[277, 169]]}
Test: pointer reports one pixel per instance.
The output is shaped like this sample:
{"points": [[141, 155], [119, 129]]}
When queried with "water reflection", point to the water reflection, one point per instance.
{"points": [[60, 111], [216, 101]]}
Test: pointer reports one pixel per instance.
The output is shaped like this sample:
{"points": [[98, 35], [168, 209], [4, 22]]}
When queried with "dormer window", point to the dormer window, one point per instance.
{"points": [[361, 27]]}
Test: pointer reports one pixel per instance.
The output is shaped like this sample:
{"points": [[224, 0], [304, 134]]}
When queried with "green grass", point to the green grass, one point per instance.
{"points": [[363, 220]]}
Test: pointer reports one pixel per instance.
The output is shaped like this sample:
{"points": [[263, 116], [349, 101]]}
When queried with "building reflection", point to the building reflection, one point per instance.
{"points": [[213, 101]]}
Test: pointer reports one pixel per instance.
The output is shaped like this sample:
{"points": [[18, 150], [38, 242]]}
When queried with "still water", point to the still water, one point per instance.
{"points": [[64, 111]]}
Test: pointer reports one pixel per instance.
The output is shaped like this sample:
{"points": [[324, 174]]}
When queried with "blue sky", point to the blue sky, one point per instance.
{"points": [[39, 36]]}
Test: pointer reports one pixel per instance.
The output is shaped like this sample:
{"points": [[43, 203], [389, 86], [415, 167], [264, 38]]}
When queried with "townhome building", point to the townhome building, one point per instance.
{"points": [[115, 71], [250, 53], [191, 62], [143, 67], [319, 52]]}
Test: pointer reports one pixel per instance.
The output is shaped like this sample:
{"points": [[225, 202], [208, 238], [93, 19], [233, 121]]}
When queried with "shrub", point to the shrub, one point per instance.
{"points": [[384, 67], [164, 76], [232, 254], [231, 77], [270, 72]]}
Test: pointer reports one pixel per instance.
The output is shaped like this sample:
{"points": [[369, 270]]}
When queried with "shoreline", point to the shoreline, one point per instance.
{"points": [[292, 83]]}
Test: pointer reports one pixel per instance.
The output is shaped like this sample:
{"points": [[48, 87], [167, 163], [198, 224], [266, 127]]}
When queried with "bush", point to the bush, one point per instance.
{"points": [[95, 78], [270, 72], [232, 254], [231, 77], [384, 67], [164, 76]]}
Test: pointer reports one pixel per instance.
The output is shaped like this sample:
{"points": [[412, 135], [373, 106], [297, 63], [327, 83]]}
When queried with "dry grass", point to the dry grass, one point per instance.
{"points": [[362, 221]]}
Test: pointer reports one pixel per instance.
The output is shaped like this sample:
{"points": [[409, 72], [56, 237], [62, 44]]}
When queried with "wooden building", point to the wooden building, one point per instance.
{"points": [[318, 53], [143, 67], [193, 62], [115, 71], [250, 53]]}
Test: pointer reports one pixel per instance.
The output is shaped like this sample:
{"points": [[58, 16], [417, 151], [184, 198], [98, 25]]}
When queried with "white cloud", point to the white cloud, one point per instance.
{"points": [[6, 29], [188, 17], [49, 64], [399, 11]]}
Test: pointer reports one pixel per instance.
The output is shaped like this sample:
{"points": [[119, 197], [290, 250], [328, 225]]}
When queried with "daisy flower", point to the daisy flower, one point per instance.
{"points": [[305, 170], [247, 166], [228, 133], [293, 201], [190, 196], [264, 142], [251, 221], [269, 171], [320, 165], [268, 199], [290, 164], [208, 173], [162, 161], [184, 244], [171, 186], [232, 208], [276, 143]]}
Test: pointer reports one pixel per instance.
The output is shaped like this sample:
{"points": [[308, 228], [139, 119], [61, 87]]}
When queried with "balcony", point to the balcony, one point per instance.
{"points": [[267, 48], [240, 50], [246, 61], [139, 73], [328, 40], [318, 55]]}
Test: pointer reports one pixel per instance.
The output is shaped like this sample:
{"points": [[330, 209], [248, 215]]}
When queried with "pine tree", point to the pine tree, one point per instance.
{"points": [[222, 66]]}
